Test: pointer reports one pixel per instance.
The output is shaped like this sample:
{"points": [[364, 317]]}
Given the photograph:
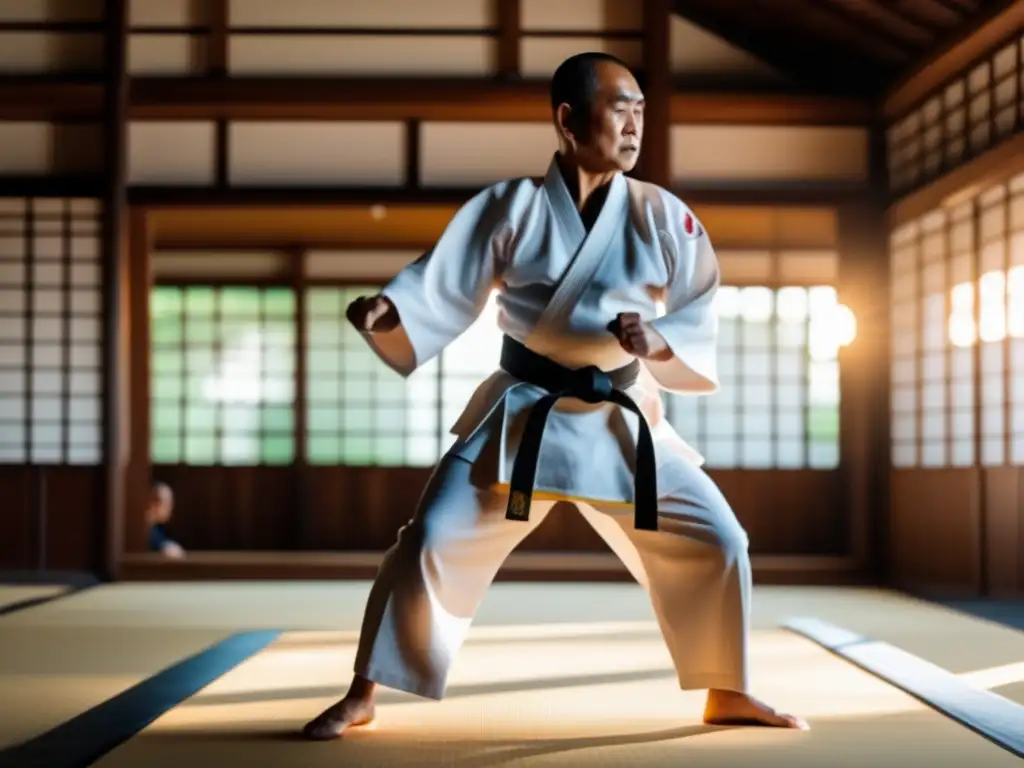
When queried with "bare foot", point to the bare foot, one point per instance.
{"points": [[733, 708], [335, 720]]}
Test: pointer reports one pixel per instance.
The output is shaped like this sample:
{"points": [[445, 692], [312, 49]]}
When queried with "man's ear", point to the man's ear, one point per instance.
{"points": [[564, 121]]}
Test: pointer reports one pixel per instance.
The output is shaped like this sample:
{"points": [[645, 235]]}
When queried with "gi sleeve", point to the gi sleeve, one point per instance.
{"points": [[442, 293], [690, 324]]}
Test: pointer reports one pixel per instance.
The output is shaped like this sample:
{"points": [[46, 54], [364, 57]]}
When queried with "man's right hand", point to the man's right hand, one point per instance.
{"points": [[373, 314]]}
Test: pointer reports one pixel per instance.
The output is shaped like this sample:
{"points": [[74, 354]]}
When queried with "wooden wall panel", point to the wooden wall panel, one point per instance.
{"points": [[167, 13], [235, 508], [172, 153], [393, 37], [214, 266], [50, 149], [166, 54], [371, 266], [476, 154], [935, 531], [317, 153], [1003, 496], [412, 14], [54, 37], [18, 526], [360, 509], [361, 55], [581, 16], [35, 53], [168, 37], [759, 153], [51, 518], [540, 56]]}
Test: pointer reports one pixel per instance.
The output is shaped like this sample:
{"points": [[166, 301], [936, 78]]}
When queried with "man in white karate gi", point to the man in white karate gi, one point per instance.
{"points": [[605, 288]]}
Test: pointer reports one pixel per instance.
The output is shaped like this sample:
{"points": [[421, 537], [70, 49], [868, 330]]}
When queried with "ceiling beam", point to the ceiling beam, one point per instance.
{"points": [[780, 194], [29, 98], [476, 100], [760, 34], [912, 29], [997, 23], [962, 11], [843, 21]]}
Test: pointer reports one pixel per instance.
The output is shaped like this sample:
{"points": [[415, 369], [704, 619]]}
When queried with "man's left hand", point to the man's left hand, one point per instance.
{"points": [[639, 338]]}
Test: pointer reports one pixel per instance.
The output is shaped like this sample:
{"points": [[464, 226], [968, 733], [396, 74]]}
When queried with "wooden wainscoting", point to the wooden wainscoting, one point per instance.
{"points": [[51, 518], [1002, 496], [958, 532], [360, 509]]}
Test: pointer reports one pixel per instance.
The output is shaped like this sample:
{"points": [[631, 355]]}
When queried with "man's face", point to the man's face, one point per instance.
{"points": [[616, 121]]}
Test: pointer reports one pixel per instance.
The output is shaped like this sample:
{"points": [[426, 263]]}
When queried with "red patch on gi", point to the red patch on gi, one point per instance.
{"points": [[688, 224]]}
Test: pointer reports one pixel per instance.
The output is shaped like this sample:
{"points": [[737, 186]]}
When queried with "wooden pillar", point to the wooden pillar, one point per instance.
{"points": [[115, 349], [864, 421], [657, 82], [137, 473]]}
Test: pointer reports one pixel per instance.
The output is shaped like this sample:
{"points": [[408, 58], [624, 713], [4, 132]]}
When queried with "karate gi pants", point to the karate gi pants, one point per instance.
{"points": [[695, 568]]}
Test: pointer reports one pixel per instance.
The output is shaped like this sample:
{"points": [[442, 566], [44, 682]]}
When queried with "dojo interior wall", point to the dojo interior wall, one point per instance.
{"points": [[791, 494], [956, 249], [52, 293], [217, 193]]}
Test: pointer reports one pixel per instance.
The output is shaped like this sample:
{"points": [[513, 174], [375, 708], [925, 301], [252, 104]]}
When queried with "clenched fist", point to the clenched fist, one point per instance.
{"points": [[373, 314], [639, 338]]}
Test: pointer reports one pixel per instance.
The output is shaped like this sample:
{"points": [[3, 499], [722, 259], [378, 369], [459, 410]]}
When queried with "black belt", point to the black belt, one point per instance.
{"points": [[592, 385]]}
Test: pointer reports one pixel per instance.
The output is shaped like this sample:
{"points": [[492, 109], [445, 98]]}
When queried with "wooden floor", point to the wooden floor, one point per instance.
{"points": [[552, 675]]}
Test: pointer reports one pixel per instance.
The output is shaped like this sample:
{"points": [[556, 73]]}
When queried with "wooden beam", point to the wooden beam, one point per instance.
{"points": [[51, 186], [777, 195], [879, 39], [483, 100], [768, 109], [1001, 19], [520, 566], [28, 98], [368, 226]]}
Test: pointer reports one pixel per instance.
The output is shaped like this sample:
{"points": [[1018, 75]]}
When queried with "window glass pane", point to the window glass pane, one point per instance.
{"points": [[222, 378], [778, 405], [361, 413]]}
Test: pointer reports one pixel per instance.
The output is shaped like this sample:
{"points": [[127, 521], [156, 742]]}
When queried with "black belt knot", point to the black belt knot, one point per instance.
{"points": [[591, 385]]}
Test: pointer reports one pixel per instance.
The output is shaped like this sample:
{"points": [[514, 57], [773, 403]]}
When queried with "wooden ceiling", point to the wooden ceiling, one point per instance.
{"points": [[853, 47]]}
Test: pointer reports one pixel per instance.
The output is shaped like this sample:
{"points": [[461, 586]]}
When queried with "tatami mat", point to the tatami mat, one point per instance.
{"points": [[565, 674], [13, 594], [53, 667], [597, 695]]}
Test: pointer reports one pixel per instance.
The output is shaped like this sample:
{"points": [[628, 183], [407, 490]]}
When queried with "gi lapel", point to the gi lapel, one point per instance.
{"points": [[589, 249]]}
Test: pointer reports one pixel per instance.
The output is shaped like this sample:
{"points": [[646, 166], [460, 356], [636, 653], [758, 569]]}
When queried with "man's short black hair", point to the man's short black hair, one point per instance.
{"points": [[575, 83]]}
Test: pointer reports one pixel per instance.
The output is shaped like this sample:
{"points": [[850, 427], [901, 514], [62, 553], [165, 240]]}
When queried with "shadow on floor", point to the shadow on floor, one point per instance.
{"points": [[1009, 613], [390, 697], [475, 753]]}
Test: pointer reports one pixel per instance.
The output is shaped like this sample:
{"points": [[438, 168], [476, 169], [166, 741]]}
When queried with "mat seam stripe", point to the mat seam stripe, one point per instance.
{"points": [[34, 602], [88, 736], [982, 711]]}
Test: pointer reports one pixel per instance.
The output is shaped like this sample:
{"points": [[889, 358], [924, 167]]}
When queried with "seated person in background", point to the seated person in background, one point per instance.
{"points": [[158, 514]]}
